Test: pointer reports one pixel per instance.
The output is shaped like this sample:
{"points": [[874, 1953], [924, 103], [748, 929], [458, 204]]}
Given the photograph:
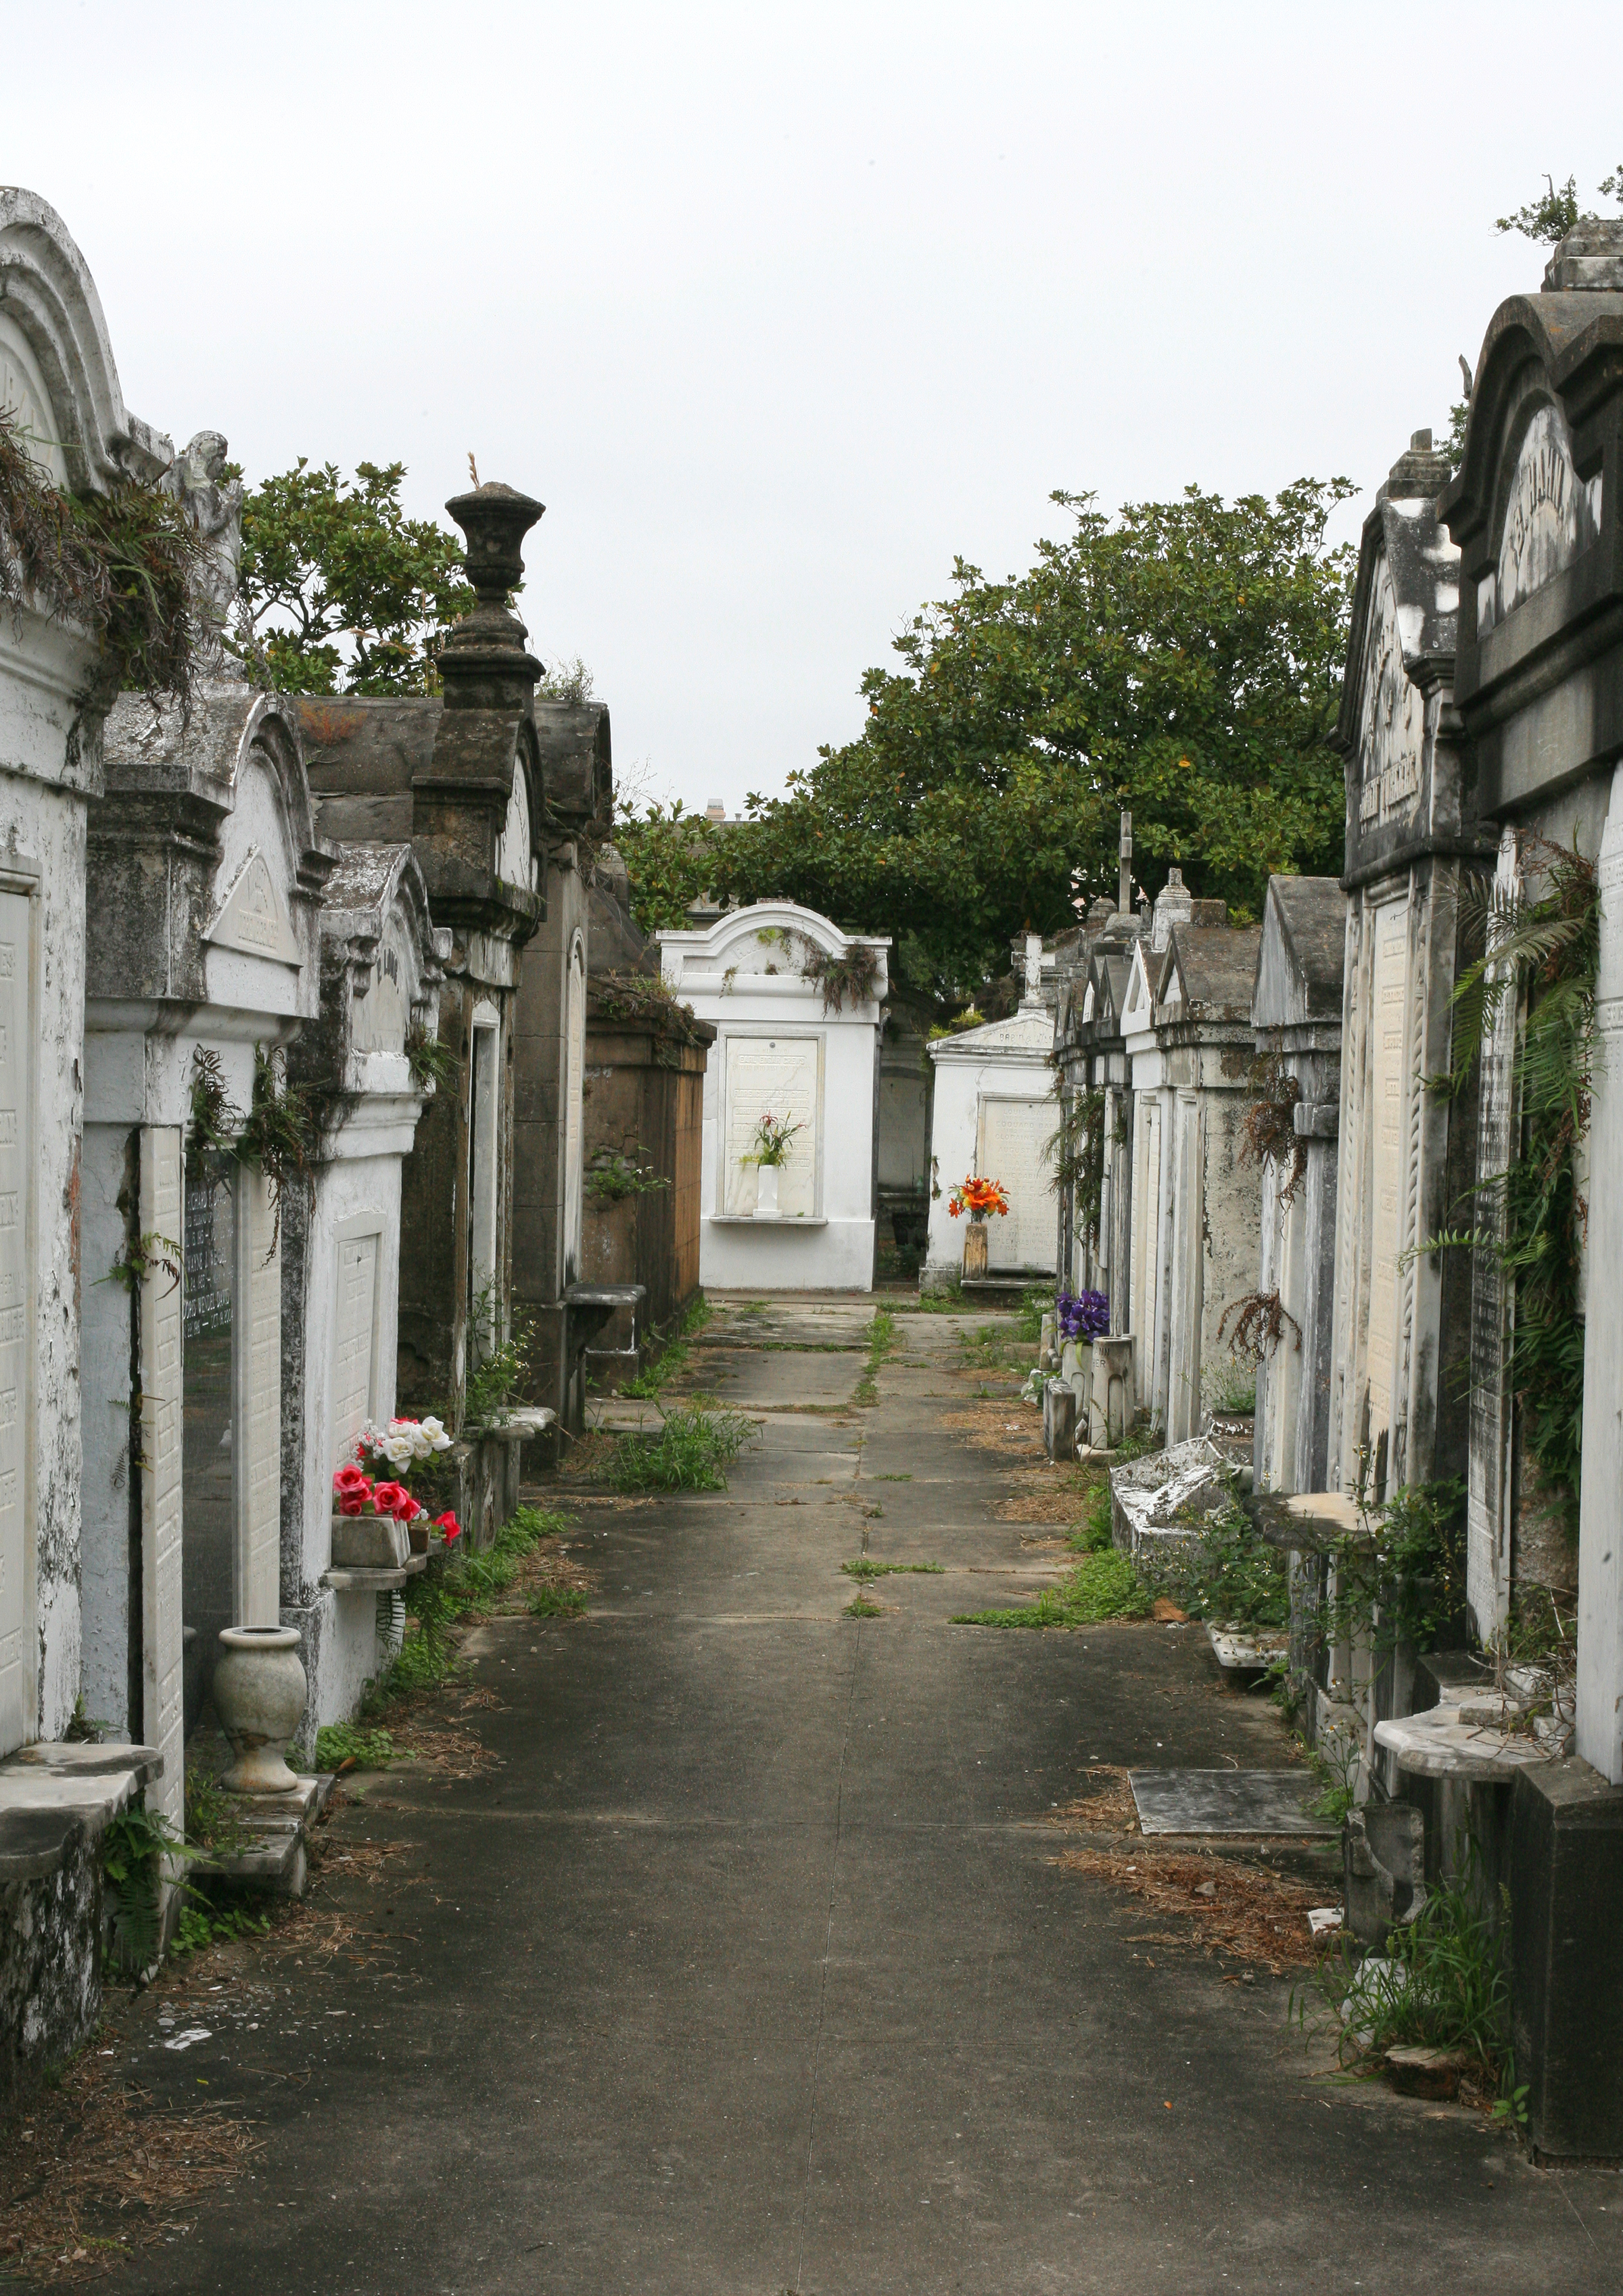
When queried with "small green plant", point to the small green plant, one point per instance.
{"points": [[202, 1923], [497, 1368], [1094, 1537], [859, 1607], [864, 1566], [1228, 1573], [134, 1846], [432, 1061], [435, 1603], [1445, 1984], [212, 1819], [891, 1478], [612, 1175], [1099, 1587], [346, 1745], [689, 1453], [1400, 1578], [557, 1602], [84, 1729], [138, 1259], [853, 975]]}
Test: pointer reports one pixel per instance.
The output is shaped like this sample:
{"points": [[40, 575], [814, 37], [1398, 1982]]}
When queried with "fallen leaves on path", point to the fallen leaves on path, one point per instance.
{"points": [[97, 2170], [1243, 1911], [992, 1427], [1105, 1804]]}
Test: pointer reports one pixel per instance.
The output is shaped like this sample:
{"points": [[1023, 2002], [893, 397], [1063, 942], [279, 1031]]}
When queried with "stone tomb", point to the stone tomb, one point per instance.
{"points": [[994, 1112], [1296, 1015], [461, 780], [1406, 1154], [1535, 510], [382, 962], [797, 1005], [60, 385], [205, 878]]}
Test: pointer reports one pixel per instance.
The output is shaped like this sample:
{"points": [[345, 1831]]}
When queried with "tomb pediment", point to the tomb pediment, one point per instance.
{"points": [[253, 918], [1301, 958]]}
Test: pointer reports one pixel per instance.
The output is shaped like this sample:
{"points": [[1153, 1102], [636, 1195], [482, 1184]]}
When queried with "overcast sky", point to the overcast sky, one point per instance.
{"points": [[779, 308]]}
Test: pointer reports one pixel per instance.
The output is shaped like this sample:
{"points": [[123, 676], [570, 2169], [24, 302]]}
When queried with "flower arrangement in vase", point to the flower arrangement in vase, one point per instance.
{"points": [[769, 1152], [979, 1197], [364, 1501]]}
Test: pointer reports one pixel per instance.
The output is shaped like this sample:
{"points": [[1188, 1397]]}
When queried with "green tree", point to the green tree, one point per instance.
{"points": [[670, 854], [1551, 218], [341, 591], [1183, 659]]}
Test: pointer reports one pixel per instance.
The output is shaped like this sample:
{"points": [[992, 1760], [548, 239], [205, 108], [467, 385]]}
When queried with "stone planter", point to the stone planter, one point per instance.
{"points": [[369, 1542], [418, 1532], [766, 1191], [260, 1692], [975, 1252]]}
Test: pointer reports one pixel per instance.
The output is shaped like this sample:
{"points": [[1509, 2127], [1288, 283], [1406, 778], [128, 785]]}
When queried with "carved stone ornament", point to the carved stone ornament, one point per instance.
{"points": [[1392, 713], [253, 919], [1551, 515], [216, 510]]}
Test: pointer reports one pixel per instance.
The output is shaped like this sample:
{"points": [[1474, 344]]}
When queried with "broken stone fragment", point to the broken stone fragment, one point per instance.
{"points": [[1430, 2072]]}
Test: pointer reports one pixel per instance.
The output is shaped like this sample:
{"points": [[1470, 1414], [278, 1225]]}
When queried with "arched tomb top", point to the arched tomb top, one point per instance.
{"points": [[383, 957], [56, 361], [767, 939]]}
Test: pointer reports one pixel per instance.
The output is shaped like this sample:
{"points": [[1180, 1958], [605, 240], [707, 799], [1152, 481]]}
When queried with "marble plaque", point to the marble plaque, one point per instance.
{"points": [[574, 1113], [772, 1076], [17, 1654], [1147, 1244], [1388, 1100], [1010, 1137], [254, 919], [358, 1292]]}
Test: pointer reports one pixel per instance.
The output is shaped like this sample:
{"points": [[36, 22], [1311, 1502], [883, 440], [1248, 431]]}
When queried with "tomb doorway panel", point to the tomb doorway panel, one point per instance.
{"points": [[354, 1336], [1009, 1133], [19, 1645], [164, 1613], [1388, 1132], [779, 1075]]}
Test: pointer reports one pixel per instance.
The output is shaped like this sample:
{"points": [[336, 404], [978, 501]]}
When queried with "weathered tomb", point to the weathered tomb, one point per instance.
{"points": [[1296, 1018], [550, 1026], [1186, 1024], [205, 878], [797, 1005], [645, 1060], [1406, 1155], [993, 1115], [1535, 510], [381, 972], [59, 386], [459, 779]]}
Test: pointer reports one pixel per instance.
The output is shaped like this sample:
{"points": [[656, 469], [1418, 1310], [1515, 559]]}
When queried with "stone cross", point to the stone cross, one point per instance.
{"points": [[1124, 881]]}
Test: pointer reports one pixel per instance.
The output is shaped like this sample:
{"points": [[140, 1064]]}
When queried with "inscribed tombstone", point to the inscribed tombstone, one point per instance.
{"points": [[771, 1075], [162, 1568], [16, 1657], [1146, 1245], [1010, 1149], [260, 1494]]}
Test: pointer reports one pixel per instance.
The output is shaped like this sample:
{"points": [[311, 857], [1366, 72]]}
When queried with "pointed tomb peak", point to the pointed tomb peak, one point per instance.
{"points": [[1174, 904], [1419, 475], [1589, 259]]}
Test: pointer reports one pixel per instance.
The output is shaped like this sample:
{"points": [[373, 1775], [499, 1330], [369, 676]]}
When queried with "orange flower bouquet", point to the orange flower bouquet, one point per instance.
{"points": [[978, 1198]]}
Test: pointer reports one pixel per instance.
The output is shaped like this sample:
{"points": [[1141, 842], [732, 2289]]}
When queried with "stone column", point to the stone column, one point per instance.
{"points": [[1600, 1553]]}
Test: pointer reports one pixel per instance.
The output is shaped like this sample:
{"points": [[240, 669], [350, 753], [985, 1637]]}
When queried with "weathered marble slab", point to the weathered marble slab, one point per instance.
{"points": [[1228, 1802]]}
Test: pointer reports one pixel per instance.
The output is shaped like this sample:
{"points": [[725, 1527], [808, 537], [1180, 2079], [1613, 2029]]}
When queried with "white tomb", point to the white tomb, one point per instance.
{"points": [[994, 1111], [381, 966], [59, 386], [790, 1046]]}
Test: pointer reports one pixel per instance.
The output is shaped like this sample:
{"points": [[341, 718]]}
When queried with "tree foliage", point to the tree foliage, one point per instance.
{"points": [[341, 591], [1183, 659], [1552, 216]]}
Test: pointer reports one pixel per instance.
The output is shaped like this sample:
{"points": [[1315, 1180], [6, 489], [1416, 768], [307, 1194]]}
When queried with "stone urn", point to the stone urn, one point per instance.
{"points": [[766, 1191], [975, 1252], [260, 1692]]}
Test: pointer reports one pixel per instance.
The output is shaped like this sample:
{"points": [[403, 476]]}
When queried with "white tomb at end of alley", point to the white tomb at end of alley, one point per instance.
{"points": [[797, 1006], [994, 1112]]}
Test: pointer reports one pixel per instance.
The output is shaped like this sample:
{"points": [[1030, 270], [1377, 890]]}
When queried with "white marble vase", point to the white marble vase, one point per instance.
{"points": [[260, 1692], [766, 1191]]}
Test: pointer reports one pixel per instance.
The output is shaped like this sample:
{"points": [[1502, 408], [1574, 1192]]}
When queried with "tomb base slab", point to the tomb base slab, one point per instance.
{"points": [[1566, 1996]]}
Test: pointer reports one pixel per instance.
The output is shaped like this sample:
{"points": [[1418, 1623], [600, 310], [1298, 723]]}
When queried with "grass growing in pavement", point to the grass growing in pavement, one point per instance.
{"points": [[439, 1600], [557, 1602], [675, 1356], [1099, 1587], [861, 1608], [1093, 1538], [689, 1453], [890, 1478], [882, 1341], [864, 1567]]}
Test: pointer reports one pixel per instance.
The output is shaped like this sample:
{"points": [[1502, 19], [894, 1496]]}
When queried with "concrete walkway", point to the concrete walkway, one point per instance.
{"points": [[749, 1968]]}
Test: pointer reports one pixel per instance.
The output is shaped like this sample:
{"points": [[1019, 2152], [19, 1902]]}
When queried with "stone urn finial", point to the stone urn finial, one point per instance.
{"points": [[486, 661]]}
